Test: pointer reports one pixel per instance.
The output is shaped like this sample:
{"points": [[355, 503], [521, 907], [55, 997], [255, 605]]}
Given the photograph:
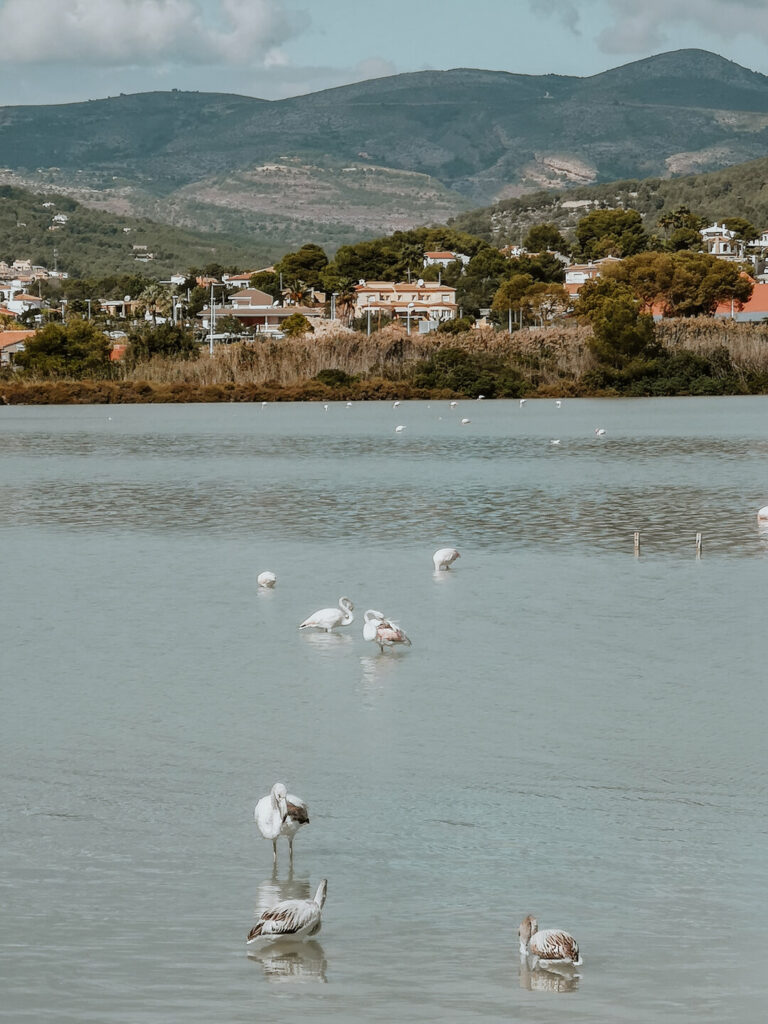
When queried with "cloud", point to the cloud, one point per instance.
{"points": [[639, 26], [129, 33]]}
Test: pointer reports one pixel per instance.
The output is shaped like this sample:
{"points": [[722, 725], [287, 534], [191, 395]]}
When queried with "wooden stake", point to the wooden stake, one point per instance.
{"points": [[637, 543], [698, 545]]}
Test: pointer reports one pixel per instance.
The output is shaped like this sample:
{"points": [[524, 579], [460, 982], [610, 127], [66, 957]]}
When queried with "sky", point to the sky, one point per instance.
{"points": [[57, 51]]}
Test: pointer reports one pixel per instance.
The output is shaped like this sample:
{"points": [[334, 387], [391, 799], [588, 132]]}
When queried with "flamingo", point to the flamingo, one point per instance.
{"points": [[266, 579], [763, 513], [453, 404], [280, 814], [553, 946], [558, 403], [399, 428], [294, 920], [600, 431], [395, 404], [555, 441], [444, 557], [380, 630], [465, 421], [330, 618], [522, 402]]}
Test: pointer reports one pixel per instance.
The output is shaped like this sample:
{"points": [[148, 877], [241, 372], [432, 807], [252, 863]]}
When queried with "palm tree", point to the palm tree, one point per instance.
{"points": [[155, 300]]}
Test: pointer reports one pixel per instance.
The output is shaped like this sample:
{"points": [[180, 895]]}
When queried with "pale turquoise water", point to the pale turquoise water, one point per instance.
{"points": [[574, 733]]}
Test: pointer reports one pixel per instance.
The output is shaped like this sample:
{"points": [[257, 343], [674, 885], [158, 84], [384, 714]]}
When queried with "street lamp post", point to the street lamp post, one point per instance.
{"points": [[212, 323], [408, 315], [333, 305], [369, 319], [89, 308]]}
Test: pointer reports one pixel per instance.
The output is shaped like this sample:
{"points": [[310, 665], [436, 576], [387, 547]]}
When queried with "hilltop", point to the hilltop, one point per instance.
{"points": [[387, 153]]}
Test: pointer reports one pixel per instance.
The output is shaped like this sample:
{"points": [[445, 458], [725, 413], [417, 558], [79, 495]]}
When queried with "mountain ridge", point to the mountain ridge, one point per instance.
{"points": [[472, 135]]}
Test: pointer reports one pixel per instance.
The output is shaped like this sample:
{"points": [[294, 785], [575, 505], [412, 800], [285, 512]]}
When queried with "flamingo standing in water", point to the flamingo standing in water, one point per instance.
{"points": [[444, 558], [330, 618], [293, 920], [380, 630], [266, 579], [552, 947], [762, 515], [280, 814]]}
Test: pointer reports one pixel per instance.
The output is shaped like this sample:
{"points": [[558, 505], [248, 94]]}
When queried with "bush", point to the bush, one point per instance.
{"points": [[296, 324], [334, 378], [469, 374], [459, 326]]}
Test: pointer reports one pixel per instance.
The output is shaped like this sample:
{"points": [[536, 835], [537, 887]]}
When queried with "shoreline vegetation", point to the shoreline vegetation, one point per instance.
{"points": [[698, 356]]}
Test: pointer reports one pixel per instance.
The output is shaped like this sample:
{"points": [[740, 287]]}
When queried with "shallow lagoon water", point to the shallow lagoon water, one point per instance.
{"points": [[575, 733]]}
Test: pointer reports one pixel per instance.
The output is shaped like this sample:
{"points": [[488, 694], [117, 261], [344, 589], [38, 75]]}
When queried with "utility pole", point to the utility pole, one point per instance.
{"points": [[212, 323]]}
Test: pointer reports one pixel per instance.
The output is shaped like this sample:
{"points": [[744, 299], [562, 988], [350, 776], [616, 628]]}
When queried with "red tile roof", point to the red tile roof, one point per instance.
{"points": [[8, 338]]}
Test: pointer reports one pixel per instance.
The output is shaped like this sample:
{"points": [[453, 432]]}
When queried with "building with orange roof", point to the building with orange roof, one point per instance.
{"points": [[421, 300], [12, 342], [444, 258]]}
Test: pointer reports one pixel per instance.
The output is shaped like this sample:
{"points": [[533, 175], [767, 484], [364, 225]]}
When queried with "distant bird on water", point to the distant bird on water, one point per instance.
{"points": [[454, 404], [555, 441], [600, 431], [266, 579], [330, 618], [280, 814], [558, 403], [522, 402], [399, 428], [763, 514], [550, 947], [444, 558], [378, 629], [395, 404], [291, 920], [465, 421]]}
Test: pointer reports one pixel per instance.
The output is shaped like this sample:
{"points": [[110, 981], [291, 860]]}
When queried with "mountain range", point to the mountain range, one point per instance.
{"points": [[388, 153]]}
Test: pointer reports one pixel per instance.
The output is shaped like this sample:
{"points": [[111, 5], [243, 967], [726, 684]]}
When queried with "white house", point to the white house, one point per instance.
{"points": [[443, 258]]}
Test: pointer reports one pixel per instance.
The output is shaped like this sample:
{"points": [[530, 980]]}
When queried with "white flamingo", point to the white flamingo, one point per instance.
{"points": [[400, 428], [558, 403], [762, 514], [465, 421], [555, 441], [553, 946], [330, 618], [600, 431], [280, 814], [395, 404], [292, 920], [444, 558], [378, 629], [266, 579], [453, 404], [522, 402]]}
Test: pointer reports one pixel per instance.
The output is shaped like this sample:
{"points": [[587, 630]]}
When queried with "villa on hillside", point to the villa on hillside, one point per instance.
{"points": [[423, 300], [12, 342], [444, 258]]}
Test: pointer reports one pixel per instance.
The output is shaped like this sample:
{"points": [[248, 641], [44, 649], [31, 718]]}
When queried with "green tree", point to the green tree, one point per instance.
{"points": [[306, 264], [620, 331], [266, 281], [685, 238], [743, 229], [544, 238], [610, 233], [165, 340], [511, 296], [75, 349], [296, 324]]}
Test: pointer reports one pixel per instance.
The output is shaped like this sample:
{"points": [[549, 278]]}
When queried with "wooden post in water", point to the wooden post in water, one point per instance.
{"points": [[698, 545], [637, 543]]}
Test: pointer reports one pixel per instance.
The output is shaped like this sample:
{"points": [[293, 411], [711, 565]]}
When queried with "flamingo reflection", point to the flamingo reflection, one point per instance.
{"points": [[539, 979], [302, 963]]}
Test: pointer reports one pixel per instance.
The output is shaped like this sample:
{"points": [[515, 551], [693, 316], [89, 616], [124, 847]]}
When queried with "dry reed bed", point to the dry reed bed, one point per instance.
{"points": [[551, 361]]}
